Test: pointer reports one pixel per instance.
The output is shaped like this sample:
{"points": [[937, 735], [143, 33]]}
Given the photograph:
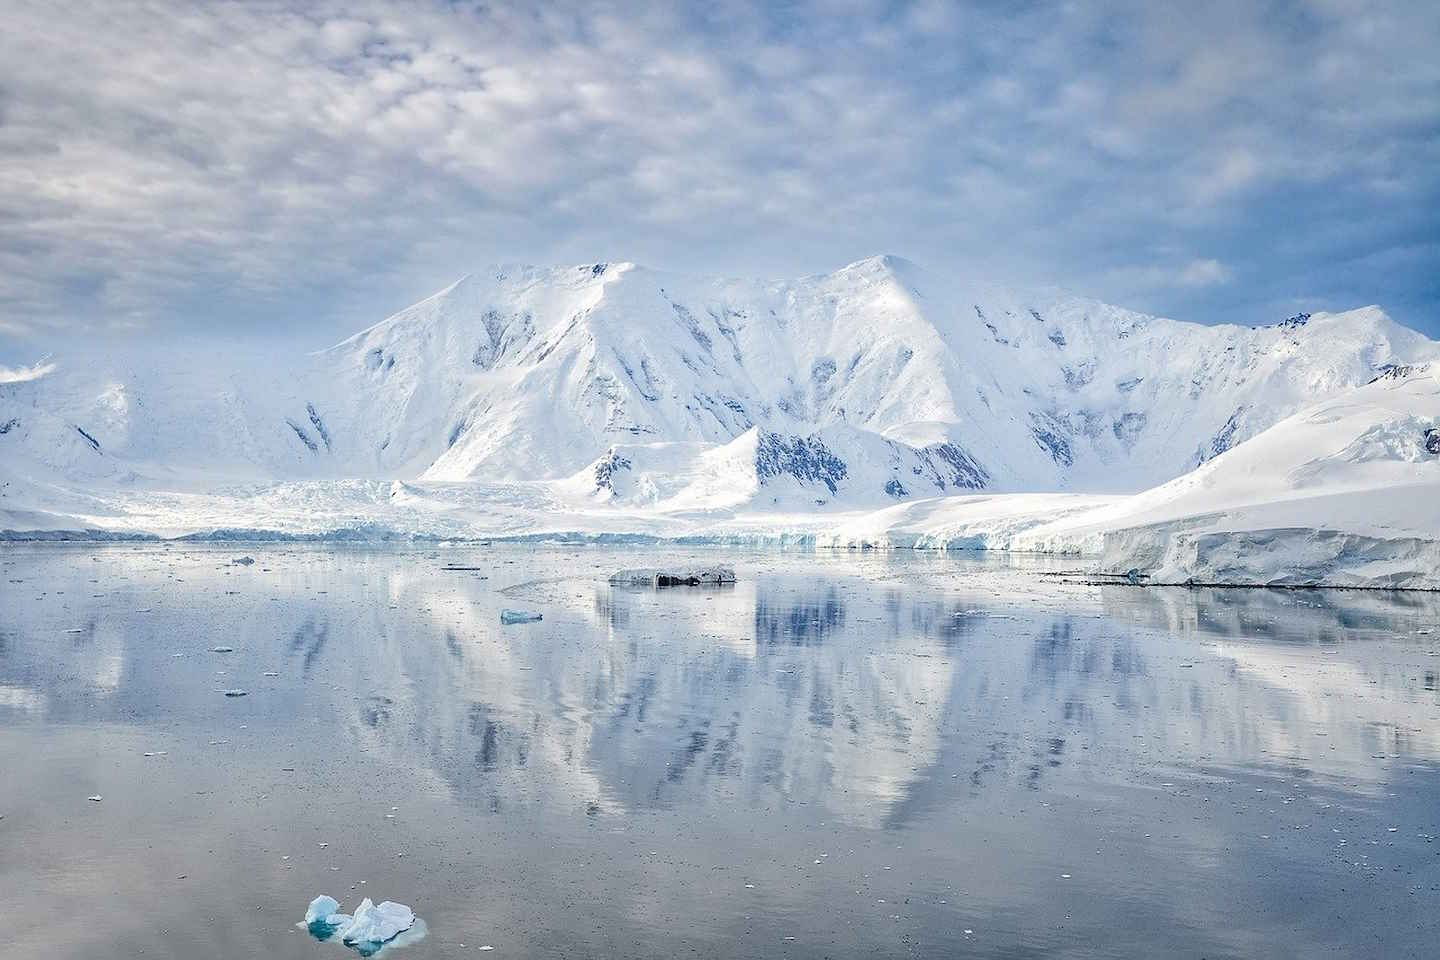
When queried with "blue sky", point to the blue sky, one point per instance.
{"points": [[298, 171]]}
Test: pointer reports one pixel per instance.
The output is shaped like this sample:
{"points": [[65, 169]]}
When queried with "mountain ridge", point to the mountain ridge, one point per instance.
{"points": [[917, 383]]}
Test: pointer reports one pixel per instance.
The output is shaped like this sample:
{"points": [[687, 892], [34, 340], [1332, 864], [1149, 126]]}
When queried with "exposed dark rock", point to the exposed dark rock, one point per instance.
{"points": [[692, 326], [1224, 438], [607, 467], [547, 347], [9, 425], [1048, 436], [646, 383], [964, 471], [1432, 440], [456, 432], [94, 444], [1079, 374], [727, 330], [1399, 371], [318, 424], [806, 459], [304, 437], [1129, 426], [896, 489], [505, 334]]}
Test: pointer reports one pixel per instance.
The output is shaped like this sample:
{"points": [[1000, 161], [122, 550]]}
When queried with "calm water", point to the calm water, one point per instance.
{"points": [[841, 756]]}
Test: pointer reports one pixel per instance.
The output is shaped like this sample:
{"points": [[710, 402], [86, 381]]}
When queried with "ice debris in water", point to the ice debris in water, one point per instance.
{"points": [[243, 561], [371, 927], [378, 924], [322, 908], [519, 616], [647, 577], [237, 692]]}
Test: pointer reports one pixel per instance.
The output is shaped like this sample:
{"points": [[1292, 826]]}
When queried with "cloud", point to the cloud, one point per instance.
{"points": [[1232, 171], [1203, 273], [25, 374], [270, 167]]}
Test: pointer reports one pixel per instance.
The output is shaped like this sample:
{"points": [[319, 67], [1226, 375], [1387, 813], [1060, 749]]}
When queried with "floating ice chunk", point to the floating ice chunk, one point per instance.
{"points": [[695, 577], [237, 693], [243, 561], [322, 908], [519, 616], [369, 930], [222, 649], [378, 924]]}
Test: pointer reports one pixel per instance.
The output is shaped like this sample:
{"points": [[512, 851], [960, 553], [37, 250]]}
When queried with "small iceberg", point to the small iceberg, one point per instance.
{"points": [[372, 927], [650, 577], [378, 924], [519, 616], [326, 911]]}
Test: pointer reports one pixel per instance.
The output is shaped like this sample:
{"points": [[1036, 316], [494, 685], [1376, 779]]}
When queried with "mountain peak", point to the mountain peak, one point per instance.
{"points": [[518, 372], [880, 263]]}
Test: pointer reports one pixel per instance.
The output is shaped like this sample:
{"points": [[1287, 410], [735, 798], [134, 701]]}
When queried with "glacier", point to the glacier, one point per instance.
{"points": [[881, 406]]}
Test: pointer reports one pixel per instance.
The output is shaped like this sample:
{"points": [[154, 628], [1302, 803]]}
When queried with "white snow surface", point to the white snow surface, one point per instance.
{"points": [[878, 406]]}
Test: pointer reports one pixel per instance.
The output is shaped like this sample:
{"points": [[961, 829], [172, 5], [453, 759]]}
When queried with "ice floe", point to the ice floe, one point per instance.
{"points": [[371, 928]]}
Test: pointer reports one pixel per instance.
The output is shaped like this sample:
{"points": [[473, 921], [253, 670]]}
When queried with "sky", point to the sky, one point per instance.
{"points": [[292, 172]]}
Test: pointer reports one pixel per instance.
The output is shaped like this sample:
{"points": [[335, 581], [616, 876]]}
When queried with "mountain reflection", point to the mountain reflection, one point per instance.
{"points": [[797, 617], [832, 687]]}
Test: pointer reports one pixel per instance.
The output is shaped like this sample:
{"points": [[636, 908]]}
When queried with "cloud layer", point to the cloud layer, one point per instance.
{"points": [[266, 167]]}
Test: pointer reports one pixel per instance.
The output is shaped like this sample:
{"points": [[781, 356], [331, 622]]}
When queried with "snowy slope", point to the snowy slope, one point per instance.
{"points": [[525, 374], [521, 373], [1346, 492], [879, 404]]}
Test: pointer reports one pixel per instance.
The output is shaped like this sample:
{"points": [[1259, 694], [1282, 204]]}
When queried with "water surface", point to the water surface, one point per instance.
{"points": [[842, 755]]}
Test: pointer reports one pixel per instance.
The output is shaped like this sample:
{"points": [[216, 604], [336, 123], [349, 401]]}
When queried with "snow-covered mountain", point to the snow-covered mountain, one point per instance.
{"points": [[878, 406], [877, 384], [1346, 492]]}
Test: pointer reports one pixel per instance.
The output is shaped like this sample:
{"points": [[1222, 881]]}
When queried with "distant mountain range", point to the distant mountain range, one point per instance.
{"points": [[876, 384]]}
